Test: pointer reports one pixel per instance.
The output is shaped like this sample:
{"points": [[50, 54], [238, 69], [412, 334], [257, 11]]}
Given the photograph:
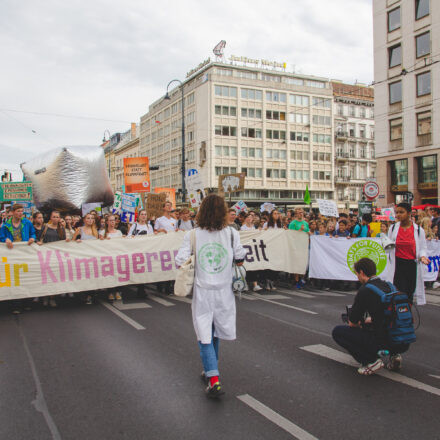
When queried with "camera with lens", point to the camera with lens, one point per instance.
{"points": [[345, 316]]}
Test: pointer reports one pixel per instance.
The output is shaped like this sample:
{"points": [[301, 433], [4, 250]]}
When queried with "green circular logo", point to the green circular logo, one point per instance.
{"points": [[367, 249], [212, 258]]}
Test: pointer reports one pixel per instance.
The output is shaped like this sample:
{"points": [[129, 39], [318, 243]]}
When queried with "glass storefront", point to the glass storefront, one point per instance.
{"points": [[399, 175], [427, 167]]}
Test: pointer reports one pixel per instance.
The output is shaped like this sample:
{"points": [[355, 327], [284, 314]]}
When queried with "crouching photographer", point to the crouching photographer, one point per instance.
{"points": [[380, 325]]}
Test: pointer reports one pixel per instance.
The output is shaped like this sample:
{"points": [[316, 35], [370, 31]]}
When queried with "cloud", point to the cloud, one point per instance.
{"points": [[110, 60]]}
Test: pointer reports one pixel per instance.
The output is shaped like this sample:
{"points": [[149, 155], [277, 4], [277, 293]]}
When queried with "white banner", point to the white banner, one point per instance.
{"points": [[333, 258], [60, 267]]}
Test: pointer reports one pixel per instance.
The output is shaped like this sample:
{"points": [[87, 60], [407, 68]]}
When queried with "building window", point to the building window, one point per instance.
{"points": [[395, 55], [340, 110], [299, 118], [424, 84], [422, 8], [300, 100], [395, 91], [394, 19], [321, 102], [395, 129], [299, 136], [423, 44], [224, 130], [251, 132], [362, 112], [251, 94], [276, 134], [250, 113], [276, 97], [321, 120], [427, 167], [399, 172], [322, 138], [275, 115], [225, 91], [423, 123]]}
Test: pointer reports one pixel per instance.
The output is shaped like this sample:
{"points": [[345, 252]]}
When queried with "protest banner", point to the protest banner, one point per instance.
{"points": [[170, 194], [61, 267], [328, 208], [267, 206], [136, 174], [229, 183], [16, 191], [154, 204]]}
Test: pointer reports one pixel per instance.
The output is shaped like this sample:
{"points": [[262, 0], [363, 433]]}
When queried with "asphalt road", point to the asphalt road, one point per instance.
{"points": [[131, 371]]}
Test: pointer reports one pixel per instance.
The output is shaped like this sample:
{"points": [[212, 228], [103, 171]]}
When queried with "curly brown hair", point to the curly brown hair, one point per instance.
{"points": [[212, 213]]}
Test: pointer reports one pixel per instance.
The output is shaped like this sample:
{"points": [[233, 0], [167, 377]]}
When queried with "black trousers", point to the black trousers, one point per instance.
{"points": [[362, 344], [405, 277]]}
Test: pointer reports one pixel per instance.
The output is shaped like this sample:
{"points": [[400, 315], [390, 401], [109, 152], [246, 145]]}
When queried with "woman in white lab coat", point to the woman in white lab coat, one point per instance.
{"points": [[213, 304]]}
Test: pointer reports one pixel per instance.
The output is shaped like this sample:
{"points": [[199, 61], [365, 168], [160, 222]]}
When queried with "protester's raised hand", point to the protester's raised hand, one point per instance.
{"points": [[31, 240]]}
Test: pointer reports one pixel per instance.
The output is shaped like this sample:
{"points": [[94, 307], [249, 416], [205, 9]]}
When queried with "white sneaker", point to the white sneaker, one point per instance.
{"points": [[370, 369], [257, 288], [436, 285]]}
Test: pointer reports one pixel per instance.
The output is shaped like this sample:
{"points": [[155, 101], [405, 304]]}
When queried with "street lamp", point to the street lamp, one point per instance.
{"points": [[104, 140], [167, 96]]}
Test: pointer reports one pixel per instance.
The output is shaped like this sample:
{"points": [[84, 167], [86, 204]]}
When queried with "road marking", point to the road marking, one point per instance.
{"points": [[344, 358], [298, 294], [288, 306], [259, 296], [247, 296], [433, 375], [160, 300], [276, 418], [130, 306], [433, 299], [182, 299], [123, 316], [332, 293]]}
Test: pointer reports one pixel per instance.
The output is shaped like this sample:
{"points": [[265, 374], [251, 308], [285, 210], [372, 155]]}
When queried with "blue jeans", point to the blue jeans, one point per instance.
{"points": [[209, 355]]}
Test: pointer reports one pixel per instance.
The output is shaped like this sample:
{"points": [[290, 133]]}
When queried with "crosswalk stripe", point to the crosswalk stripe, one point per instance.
{"points": [[288, 306], [276, 418], [181, 299], [298, 294], [344, 358], [123, 316], [131, 306], [160, 300], [259, 295]]}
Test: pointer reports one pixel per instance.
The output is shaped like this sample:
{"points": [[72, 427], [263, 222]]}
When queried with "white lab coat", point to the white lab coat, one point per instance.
{"points": [[421, 251], [213, 300]]}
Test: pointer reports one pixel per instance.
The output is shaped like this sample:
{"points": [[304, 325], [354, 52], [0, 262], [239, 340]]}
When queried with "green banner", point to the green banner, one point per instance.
{"points": [[16, 191]]}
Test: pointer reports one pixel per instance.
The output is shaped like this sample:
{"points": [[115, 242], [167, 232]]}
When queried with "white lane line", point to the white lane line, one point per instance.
{"points": [[160, 300], [298, 294], [123, 316], [181, 299], [247, 296], [130, 306], [433, 375], [344, 358], [259, 296], [276, 418], [288, 306]]}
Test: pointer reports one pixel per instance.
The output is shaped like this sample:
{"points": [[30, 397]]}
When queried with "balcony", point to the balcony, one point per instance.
{"points": [[341, 155], [343, 179], [341, 135]]}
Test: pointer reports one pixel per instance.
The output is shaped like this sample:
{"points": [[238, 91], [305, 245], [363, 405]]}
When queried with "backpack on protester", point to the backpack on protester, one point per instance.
{"points": [[398, 315], [179, 222]]}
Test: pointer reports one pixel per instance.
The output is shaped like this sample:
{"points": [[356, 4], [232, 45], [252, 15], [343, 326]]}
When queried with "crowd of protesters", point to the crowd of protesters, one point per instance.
{"points": [[55, 227]]}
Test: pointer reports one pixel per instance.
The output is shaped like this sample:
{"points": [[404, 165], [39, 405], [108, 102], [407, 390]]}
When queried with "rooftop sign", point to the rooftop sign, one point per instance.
{"points": [[263, 63]]}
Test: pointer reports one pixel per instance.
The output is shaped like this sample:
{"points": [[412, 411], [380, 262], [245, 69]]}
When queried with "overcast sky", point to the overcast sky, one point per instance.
{"points": [[104, 62]]}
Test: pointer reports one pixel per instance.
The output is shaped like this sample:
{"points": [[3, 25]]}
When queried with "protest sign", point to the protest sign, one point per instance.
{"points": [[16, 191], [240, 206], [136, 174], [88, 207], [269, 207], [61, 267], [195, 188], [327, 208], [117, 203], [154, 204], [170, 194], [389, 213], [129, 203], [229, 183]]}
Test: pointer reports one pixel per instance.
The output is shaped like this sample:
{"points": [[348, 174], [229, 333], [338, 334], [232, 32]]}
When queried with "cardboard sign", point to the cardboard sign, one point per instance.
{"points": [[240, 206], [170, 194], [86, 208], [136, 174], [16, 191], [230, 183], [154, 204], [328, 208], [195, 187], [389, 213]]}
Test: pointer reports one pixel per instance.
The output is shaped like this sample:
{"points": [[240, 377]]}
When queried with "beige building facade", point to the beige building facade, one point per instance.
{"points": [[275, 126], [355, 161], [407, 99]]}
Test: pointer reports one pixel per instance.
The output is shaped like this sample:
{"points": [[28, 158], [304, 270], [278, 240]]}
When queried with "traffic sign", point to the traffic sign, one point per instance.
{"points": [[371, 189], [191, 172]]}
